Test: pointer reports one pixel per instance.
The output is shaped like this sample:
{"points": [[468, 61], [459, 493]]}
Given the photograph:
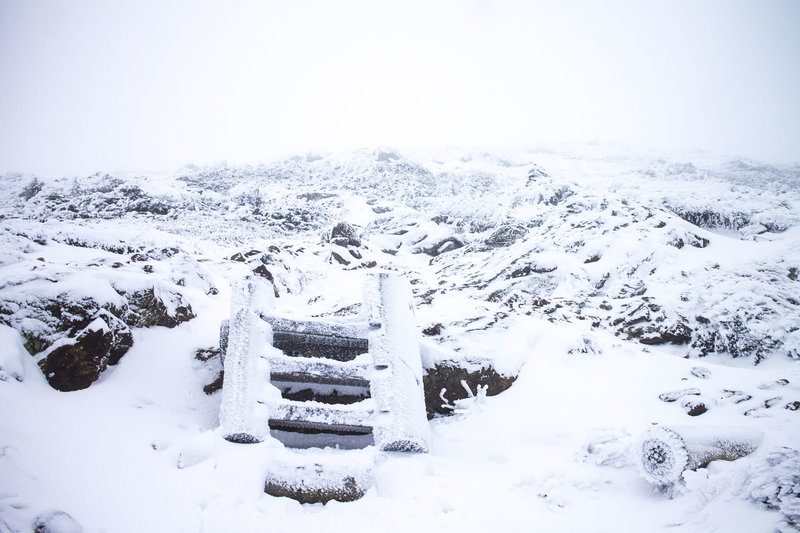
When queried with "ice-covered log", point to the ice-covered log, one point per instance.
{"points": [[666, 452], [396, 385], [241, 416]]}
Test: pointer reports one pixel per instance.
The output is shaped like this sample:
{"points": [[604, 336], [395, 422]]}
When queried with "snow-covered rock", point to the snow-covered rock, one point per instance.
{"points": [[56, 522], [776, 485], [76, 361]]}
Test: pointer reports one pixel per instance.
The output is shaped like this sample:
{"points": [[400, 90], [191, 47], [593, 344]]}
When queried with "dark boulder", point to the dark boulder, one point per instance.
{"points": [[343, 234], [261, 270], [31, 189], [339, 259], [556, 196], [505, 236], [650, 324], [435, 329], [701, 372], [532, 268], [316, 196], [695, 407], [156, 306], [447, 245], [535, 173], [676, 395], [734, 336], [89, 349], [215, 385], [211, 357], [42, 321]]}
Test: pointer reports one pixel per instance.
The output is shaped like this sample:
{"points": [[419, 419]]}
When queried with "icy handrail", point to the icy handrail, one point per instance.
{"points": [[242, 418], [400, 423]]}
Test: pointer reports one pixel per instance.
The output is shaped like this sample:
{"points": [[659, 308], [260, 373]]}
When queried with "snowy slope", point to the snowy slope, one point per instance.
{"points": [[605, 278]]}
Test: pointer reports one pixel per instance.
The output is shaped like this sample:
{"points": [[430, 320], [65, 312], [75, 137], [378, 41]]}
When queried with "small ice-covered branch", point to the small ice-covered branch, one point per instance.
{"points": [[445, 402], [473, 401], [465, 405]]}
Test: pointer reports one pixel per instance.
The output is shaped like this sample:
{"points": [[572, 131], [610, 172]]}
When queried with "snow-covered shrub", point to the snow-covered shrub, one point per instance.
{"points": [[777, 486]]}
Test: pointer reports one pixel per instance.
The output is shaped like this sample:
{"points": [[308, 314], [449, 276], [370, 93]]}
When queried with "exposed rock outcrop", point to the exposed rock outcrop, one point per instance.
{"points": [[77, 361], [343, 234], [156, 306], [445, 382]]}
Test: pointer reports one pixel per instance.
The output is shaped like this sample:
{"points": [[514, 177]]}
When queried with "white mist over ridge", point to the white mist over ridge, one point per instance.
{"points": [[106, 85]]}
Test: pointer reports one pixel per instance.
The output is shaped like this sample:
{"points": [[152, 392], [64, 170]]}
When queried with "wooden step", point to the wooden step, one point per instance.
{"points": [[331, 340], [284, 368], [308, 477], [316, 417]]}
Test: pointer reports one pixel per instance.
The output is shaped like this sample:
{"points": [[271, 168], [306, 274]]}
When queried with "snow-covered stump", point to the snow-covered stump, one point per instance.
{"points": [[666, 452], [241, 416], [400, 422]]}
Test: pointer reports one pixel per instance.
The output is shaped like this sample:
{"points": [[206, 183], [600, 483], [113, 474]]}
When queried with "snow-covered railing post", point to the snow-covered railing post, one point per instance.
{"points": [[666, 452], [400, 422], [241, 416]]}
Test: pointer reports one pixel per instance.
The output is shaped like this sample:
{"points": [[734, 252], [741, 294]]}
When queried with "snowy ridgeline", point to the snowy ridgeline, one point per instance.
{"points": [[660, 252]]}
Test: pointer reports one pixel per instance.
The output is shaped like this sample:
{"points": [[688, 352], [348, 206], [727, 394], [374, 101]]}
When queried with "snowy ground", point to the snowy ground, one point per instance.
{"points": [[139, 450]]}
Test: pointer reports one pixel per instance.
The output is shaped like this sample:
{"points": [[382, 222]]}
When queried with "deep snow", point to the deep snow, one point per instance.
{"points": [[141, 450]]}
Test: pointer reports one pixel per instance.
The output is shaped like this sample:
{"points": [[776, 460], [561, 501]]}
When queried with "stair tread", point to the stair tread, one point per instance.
{"points": [[320, 370], [322, 415]]}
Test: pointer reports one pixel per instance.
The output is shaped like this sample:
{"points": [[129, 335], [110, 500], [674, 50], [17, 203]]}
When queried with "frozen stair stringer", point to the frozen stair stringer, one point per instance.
{"points": [[242, 417], [400, 422]]}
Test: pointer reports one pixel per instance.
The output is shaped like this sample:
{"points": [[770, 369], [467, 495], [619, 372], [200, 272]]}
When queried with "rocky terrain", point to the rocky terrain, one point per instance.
{"points": [[573, 253]]}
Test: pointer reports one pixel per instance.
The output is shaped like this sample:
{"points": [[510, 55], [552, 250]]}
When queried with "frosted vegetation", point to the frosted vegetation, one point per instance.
{"points": [[622, 289]]}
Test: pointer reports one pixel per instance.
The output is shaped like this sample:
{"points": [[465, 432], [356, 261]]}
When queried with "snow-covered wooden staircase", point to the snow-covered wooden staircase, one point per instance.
{"points": [[346, 385], [323, 374]]}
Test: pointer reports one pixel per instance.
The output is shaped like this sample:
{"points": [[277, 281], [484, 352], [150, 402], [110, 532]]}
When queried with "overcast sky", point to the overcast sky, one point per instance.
{"points": [[106, 85]]}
